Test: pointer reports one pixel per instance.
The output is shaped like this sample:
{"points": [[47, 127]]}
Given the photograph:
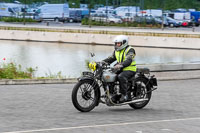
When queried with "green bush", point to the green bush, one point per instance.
{"points": [[14, 71], [84, 21], [12, 19]]}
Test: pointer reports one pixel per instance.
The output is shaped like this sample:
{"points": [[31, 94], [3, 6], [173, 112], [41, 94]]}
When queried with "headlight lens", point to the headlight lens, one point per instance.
{"points": [[92, 66]]}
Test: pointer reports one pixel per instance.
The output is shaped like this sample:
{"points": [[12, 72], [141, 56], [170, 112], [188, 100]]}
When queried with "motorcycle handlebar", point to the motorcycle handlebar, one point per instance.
{"points": [[106, 65], [102, 63]]}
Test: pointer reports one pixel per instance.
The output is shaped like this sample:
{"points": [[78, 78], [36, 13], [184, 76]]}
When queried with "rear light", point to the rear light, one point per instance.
{"points": [[185, 23]]}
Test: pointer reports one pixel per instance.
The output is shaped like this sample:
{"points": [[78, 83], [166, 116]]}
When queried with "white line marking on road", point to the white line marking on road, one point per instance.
{"points": [[104, 125], [166, 129]]}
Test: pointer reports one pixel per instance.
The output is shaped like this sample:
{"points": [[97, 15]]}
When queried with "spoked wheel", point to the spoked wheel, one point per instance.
{"points": [[142, 87], [85, 96]]}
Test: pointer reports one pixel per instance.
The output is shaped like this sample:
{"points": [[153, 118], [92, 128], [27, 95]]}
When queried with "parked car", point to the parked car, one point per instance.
{"points": [[190, 23], [75, 15], [150, 20], [106, 18], [144, 19], [161, 20], [173, 23], [187, 23]]}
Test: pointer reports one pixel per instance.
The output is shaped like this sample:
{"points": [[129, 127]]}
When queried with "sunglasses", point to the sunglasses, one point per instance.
{"points": [[118, 43]]}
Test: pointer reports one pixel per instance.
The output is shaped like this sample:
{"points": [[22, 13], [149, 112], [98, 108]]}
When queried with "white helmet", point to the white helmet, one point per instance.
{"points": [[123, 40]]}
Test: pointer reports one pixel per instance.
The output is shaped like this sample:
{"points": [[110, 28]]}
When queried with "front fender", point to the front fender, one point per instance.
{"points": [[86, 77], [96, 85]]}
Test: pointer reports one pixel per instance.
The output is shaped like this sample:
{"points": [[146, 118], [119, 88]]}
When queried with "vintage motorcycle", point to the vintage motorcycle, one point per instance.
{"points": [[86, 94]]}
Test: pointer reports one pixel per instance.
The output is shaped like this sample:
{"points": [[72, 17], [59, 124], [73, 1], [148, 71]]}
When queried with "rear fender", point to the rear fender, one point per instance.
{"points": [[151, 81]]}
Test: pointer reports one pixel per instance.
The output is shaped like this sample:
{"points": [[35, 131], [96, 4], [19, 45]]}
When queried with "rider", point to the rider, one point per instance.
{"points": [[126, 65]]}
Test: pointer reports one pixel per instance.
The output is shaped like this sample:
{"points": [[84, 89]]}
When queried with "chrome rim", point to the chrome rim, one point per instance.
{"points": [[143, 93], [85, 95]]}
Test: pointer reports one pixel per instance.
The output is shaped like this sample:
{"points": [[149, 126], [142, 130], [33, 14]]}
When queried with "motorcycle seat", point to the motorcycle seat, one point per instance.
{"points": [[131, 79]]}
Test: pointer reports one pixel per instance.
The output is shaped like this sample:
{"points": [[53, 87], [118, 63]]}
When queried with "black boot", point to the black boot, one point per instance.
{"points": [[124, 98]]}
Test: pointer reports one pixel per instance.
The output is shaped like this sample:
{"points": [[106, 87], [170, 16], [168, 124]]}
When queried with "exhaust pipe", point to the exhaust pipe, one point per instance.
{"points": [[133, 101]]}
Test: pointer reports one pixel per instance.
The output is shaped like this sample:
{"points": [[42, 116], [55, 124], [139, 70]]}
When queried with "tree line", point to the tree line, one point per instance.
{"points": [[144, 4]]}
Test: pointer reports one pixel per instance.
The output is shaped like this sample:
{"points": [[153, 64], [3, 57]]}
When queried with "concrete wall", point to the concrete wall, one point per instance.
{"points": [[171, 67], [94, 38]]}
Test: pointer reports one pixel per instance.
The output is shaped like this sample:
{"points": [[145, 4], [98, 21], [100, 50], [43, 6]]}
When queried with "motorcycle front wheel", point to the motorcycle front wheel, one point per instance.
{"points": [[85, 95]]}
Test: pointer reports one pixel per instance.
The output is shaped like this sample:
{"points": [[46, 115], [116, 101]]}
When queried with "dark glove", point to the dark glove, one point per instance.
{"points": [[118, 67]]}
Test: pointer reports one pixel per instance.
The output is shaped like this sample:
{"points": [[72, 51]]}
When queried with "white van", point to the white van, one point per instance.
{"points": [[127, 11], [182, 15], [56, 12], [10, 9]]}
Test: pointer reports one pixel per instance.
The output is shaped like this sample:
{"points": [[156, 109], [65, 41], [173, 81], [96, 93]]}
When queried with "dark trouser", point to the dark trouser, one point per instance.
{"points": [[123, 80]]}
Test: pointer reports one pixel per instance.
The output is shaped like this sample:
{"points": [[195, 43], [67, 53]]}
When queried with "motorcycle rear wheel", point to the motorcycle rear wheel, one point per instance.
{"points": [[145, 87], [84, 96]]}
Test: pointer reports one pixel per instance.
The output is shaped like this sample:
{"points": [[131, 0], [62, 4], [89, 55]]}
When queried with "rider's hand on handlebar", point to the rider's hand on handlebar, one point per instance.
{"points": [[118, 66]]}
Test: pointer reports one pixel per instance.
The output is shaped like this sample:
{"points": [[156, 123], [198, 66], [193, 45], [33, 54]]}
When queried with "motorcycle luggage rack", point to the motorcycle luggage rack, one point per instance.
{"points": [[143, 70]]}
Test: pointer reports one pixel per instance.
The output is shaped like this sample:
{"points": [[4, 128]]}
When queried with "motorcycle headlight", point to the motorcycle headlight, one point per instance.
{"points": [[92, 66]]}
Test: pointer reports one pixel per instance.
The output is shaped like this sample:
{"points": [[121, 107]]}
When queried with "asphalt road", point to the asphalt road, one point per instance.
{"points": [[174, 108], [52, 24]]}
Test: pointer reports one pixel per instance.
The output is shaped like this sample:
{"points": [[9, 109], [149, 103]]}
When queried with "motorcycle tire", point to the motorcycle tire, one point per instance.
{"points": [[88, 94], [146, 88]]}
